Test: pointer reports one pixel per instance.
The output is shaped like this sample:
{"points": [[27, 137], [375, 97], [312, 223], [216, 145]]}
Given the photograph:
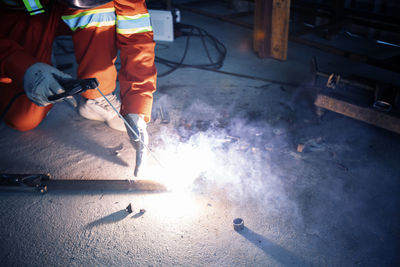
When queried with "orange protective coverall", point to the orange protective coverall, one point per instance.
{"points": [[97, 35]]}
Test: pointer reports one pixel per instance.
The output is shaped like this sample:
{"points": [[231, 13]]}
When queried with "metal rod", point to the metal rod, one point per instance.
{"points": [[109, 185], [130, 127]]}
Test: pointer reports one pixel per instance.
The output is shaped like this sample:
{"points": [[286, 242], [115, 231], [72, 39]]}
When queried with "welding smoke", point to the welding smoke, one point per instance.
{"points": [[203, 149]]}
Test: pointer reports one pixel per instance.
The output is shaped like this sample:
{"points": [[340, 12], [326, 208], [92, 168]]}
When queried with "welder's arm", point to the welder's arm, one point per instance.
{"points": [[138, 74], [139, 138]]}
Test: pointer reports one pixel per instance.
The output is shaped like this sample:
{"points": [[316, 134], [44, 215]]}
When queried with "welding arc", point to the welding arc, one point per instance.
{"points": [[130, 127]]}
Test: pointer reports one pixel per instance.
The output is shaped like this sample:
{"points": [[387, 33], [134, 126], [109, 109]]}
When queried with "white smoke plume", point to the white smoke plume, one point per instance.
{"points": [[204, 149]]}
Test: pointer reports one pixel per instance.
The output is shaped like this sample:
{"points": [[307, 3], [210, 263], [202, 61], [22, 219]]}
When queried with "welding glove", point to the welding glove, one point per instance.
{"points": [[139, 138], [41, 81]]}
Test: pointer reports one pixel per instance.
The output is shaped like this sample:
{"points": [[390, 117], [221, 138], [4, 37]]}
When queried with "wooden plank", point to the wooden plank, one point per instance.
{"points": [[280, 29], [365, 114]]}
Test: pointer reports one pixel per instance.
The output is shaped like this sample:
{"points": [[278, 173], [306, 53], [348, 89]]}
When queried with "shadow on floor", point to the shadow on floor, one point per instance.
{"points": [[109, 219], [137, 215], [84, 142], [278, 253]]}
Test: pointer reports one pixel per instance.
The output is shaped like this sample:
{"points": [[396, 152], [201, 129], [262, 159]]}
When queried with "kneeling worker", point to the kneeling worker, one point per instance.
{"points": [[99, 29]]}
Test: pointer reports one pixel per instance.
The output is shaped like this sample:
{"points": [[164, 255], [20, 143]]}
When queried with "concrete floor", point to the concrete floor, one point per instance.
{"points": [[230, 150]]}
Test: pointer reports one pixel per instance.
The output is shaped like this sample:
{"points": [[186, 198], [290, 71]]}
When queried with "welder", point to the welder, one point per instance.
{"points": [[99, 29]]}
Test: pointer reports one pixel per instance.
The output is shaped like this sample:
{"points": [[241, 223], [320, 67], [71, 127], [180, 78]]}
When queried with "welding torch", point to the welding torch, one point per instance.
{"points": [[136, 126]]}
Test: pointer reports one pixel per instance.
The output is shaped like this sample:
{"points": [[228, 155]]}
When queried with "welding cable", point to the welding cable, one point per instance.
{"points": [[190, 31], [213, 66], [174, 65], [217, 44], [198, 32]]}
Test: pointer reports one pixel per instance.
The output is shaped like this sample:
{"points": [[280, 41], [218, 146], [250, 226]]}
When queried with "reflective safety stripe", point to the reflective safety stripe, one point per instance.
{"points": [[133, 24], [33, 6], [94, 18]]}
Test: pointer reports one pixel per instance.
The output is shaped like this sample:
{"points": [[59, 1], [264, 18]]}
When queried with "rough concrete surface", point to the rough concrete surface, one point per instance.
{"points": [[230, 150]]}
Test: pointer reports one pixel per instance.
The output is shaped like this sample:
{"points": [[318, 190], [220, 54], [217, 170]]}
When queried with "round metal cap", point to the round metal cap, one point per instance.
{"points": [[238, 224]]}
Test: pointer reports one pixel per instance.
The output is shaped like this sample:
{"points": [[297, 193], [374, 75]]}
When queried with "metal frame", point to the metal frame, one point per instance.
{"points": [[363, 18]]}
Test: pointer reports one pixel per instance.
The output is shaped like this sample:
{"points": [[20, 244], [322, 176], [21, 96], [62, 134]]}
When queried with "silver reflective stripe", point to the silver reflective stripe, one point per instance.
{"points": [[94, 18], [134, 24]]}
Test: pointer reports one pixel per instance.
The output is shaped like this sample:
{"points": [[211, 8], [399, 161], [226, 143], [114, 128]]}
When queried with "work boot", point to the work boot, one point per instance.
{"points": [[99, 110]]}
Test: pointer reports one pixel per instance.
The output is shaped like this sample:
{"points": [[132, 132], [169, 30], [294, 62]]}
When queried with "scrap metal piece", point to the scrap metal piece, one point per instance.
{"points": [[164, 116], [385, 98], [300, 148], [129, 208], [238, 224], [333, 81]]}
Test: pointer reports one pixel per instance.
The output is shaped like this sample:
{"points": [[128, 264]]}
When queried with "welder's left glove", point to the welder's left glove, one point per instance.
{"points": [[42, 81], [139, 138]]}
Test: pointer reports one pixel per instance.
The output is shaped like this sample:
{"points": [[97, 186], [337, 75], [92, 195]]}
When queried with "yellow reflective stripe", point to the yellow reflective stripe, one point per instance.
{"points": [[36, 12], [98, 24], [27, 5], [134, 30], [94, 18], [120, 17], [103, 10], [133, 24]]}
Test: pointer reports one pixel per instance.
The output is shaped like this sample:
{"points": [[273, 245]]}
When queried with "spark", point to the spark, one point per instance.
{"points": [[183, 163]]}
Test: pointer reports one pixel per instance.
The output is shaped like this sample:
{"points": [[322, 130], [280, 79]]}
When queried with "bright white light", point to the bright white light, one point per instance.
{"points": [[182, 163], [176, 205]]}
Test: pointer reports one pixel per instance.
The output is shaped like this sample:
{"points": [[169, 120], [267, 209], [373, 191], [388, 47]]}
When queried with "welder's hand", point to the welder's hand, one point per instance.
{"points": [[41, 81], [139, 138]]}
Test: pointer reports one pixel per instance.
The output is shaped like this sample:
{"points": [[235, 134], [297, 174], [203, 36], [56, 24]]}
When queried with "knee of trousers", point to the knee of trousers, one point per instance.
{"points": [[24, 115]]}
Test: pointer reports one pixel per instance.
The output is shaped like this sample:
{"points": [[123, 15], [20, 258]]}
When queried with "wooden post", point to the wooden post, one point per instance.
{"points": [[271, 28], [262, 27], [280, 28]]}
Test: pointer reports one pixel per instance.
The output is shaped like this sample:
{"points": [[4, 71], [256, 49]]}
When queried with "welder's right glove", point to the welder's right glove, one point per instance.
{"points": [[41, 81], [139, 138]]}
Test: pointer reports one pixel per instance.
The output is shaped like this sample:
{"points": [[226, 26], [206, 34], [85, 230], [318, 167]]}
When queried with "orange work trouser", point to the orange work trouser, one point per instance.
{"points": [[95, 52]]}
